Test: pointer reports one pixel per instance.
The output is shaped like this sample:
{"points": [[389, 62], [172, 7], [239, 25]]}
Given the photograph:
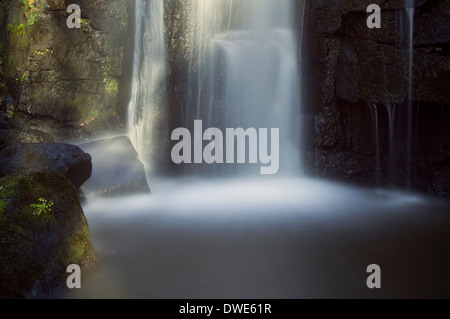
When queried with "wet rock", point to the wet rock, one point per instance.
{"points": [[24, 136], [355, 73], [433, 26], [68, 160], [116, 168], [7, 123]]}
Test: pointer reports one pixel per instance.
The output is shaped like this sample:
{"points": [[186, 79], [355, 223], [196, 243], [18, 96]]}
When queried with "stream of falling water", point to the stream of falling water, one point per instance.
{"points": [[410, 9], [147, 110], [243, 72], [374, 113]]}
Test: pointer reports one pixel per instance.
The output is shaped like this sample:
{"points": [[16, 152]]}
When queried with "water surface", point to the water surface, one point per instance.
{"points": [[266, 238]]}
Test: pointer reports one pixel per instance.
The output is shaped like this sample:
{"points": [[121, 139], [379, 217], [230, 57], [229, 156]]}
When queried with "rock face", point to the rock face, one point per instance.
{"points": [[11, 132], [360, 125], [37, 245], [7, 123], [71, 76], [116, 168], [65, 159], [24, 136]]}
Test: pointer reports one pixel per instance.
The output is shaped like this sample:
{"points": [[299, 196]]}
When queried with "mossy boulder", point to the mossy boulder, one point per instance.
{"points": [[37, 245]]}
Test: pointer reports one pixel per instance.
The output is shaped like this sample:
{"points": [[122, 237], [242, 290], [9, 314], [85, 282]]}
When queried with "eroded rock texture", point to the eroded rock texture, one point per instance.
{"points": [[358, 77], [71, 76]]}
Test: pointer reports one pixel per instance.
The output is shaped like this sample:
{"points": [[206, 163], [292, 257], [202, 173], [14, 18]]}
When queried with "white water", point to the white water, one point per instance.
{"points": [[247, 67], [374, 113], [410, 9], [390, 109], [243, 71], [147, 109]]}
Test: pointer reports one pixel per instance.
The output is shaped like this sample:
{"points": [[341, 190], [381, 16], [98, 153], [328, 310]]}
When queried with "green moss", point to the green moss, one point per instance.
{"points": [[25, 5], [8, 187], [10, 58], [24, 77], [16, 54], [77, 246], [32, 18], [16, 30], [12, 187], [2, 206], [32, 11], [111, 85], [36, 250], [41, 53]]}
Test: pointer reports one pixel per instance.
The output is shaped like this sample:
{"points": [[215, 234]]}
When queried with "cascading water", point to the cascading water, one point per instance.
{"points": [[390, 109], [248, 69], [242, 72], [410, 9], [147, 109], [374, 113]]}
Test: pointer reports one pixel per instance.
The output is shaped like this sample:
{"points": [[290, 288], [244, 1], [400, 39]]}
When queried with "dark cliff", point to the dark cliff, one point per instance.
{"points": [[359, 77]]}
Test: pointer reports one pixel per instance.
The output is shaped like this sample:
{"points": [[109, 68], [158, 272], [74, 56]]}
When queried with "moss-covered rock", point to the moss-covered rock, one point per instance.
{"points": [[69, 75], [38, 244]]}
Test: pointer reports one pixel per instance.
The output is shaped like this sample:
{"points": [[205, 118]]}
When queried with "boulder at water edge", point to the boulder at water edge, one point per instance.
{"points": [[42, 231], [68, 160], [116, 168]]}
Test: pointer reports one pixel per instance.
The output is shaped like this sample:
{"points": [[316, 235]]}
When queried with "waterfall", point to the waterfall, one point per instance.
{"points": [[242, 71], [390, 109], [410, 9], [147, 108], [244, 68], [375, 121]]}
